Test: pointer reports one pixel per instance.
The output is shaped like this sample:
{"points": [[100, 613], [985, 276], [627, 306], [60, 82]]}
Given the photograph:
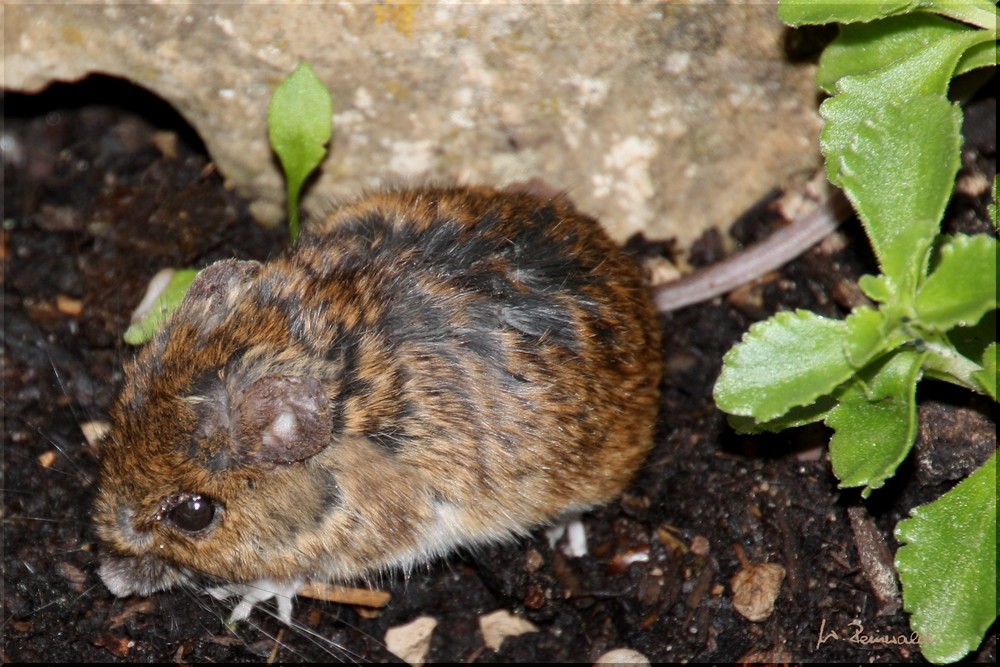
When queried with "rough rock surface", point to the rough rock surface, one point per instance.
{"points": [[640, 111]]}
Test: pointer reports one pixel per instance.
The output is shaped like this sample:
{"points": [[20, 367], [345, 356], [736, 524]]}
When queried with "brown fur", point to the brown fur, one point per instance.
{"points": [[480, 381]]}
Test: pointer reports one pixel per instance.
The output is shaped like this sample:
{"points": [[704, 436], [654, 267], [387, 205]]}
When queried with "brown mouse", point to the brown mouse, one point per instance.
{"points": [[425, 369]]}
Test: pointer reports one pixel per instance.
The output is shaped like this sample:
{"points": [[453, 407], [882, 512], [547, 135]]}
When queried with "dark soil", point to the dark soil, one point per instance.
{"points": [[97, 199]]}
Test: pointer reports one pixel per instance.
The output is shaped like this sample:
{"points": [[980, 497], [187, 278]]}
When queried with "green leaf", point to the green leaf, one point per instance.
{"points": [[810, 12], [963, 286], [979, 13], [980, 55], [869, 334], [787, 361], [144, 329], [987, 377], [971, 341], [948, 566], [875, 422], [945, 362], [927, 72], [899, 171], [864, 48], [877, 288], [797, 416], [300, 123]]}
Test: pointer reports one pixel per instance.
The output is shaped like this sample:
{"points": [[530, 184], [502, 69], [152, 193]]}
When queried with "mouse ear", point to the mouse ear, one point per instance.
{"points": [[281, 419], [217, 286]]}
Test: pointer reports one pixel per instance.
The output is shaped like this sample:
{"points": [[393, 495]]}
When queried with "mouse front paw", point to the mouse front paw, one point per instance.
{"points": [[255, 592]]}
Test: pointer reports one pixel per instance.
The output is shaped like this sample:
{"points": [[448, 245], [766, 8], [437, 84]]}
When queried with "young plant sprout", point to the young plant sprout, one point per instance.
{"points": [[299, 123]]}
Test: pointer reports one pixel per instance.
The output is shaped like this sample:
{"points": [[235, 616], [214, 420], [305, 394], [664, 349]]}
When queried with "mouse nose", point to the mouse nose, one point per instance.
{"points": [[138, 575]]}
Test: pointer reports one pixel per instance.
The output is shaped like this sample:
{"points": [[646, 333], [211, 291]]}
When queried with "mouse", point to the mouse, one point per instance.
{"points": [[426, 369]]}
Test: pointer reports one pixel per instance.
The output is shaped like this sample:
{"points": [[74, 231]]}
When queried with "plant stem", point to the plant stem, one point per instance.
{"points": [[944, 362], [293, 211]]}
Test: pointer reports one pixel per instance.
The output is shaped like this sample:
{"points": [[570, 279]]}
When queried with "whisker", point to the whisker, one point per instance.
{"points": [[44, 519], [317, 639], [314, 637], [85, 593], [55, 440]]}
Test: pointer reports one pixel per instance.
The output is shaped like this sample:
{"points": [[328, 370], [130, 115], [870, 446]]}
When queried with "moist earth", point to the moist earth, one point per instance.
{"points": [[98, 198]]}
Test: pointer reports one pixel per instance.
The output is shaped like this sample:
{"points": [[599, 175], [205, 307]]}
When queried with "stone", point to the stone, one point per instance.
{"points": [[666, 119]]}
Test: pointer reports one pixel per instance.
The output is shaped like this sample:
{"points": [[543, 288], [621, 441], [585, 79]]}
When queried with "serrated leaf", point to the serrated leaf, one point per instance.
{"points": [[875, 422], [987, 377], [877, 288], [947, 565], [971, 341], [980, 55], [141, 331], [864, 48], [979, 13], [899, 171], [810, 12], [300, 123], [963, 286], [787, 361], [795, 417], [867, 336], [927, 72]]}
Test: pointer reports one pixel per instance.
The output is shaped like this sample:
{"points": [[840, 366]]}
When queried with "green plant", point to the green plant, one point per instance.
{"points": [[151, 319], [299, 127], [892, 142], [300, 124]]}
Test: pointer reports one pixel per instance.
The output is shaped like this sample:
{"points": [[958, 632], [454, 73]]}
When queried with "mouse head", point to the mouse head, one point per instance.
{"points": [[214, 455]]}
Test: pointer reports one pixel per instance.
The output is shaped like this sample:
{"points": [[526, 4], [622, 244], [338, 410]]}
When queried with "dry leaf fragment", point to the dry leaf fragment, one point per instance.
{"points": [[498, 625], [876, 561], [755, 588], [74, 575], [95, 431], [344, 594], [411, 642], [622, 656], [68, 305], [47, 458]]}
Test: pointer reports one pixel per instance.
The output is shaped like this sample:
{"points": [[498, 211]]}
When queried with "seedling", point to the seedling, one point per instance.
{"points": [[299, 127]]}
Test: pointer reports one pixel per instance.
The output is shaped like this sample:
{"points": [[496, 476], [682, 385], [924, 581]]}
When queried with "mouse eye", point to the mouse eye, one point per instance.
{"points": [[193, 513]]}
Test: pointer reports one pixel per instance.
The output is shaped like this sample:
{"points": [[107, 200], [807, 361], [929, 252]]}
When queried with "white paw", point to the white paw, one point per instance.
{"points": [[255, 592]]}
